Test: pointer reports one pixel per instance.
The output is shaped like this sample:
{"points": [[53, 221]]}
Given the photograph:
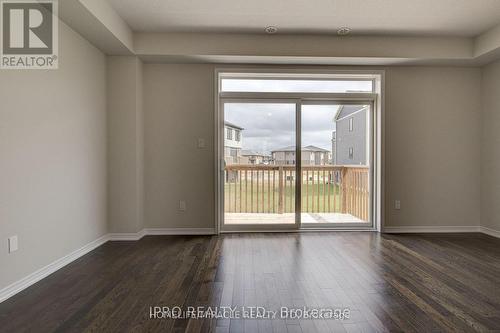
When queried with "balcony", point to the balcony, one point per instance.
{"points": [[265, 194]]}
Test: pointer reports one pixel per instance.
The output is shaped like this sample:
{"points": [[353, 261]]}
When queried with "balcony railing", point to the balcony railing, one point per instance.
{"points": [[271, 189]]}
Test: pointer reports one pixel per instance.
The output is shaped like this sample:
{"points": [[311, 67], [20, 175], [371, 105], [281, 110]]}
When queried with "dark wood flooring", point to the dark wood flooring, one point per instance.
{"points": [[405, 283]]}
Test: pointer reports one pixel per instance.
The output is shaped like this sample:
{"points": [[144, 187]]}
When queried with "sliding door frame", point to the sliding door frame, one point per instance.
{"points": [[375, 101], [256, 227], [370, 224]]}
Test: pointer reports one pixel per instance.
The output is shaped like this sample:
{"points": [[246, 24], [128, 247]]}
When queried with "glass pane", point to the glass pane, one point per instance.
{"points": [[335, 164], [310, 86], [259, 176]]}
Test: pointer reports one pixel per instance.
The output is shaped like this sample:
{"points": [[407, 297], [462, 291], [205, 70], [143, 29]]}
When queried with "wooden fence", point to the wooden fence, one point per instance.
{"points": [[271, 189]]}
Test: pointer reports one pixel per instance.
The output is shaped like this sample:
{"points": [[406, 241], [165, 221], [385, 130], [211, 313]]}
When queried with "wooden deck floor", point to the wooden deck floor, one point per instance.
{"points": [[389, 283], [288, 218]]}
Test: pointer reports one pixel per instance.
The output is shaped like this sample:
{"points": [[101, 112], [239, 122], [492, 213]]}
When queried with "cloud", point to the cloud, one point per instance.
{"points": [[266, 125], [269, 126], [281, 85]]}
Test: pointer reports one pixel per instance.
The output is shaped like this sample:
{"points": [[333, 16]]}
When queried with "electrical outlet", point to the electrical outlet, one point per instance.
{"points": [[397, 204], [13, 244], [201, 143], [182, 206]]}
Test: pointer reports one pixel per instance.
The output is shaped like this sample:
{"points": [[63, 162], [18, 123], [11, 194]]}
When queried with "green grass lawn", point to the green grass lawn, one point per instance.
{"points": [[265, 200]]}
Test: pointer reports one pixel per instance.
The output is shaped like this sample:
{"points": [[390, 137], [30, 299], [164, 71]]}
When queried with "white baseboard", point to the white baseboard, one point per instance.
{"points": [[180, 231], [34, 277], [43, 272], [126, 236], [431, 229], [491, 232], [160, 231]]}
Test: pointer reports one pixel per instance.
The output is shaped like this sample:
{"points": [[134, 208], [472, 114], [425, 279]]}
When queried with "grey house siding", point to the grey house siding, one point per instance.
{"points": [[355, 140], [311, 155]]}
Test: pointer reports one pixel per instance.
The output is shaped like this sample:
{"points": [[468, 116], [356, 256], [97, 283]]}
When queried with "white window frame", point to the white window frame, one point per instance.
{"points": [[377, 98]]}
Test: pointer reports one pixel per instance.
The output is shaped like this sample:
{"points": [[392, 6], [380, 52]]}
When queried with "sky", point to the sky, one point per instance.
{"points": [[269, 126], [269, 85]]}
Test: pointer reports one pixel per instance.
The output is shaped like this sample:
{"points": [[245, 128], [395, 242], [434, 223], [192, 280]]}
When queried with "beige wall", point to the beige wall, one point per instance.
{"points": [[432, 145], [53, 147], [125, 144], [490, 145], [179, 109], [53, 158]]}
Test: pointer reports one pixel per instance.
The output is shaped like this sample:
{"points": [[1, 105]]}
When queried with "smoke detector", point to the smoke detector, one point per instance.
{"points": [[271, 30], [343, 31]]}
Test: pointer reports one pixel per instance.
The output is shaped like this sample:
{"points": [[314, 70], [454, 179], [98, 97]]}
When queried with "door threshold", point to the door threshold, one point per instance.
{"points": [[300, 230]]}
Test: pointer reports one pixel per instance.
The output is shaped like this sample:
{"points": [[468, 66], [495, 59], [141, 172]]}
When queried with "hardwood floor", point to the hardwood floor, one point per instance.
{"points": [[410, 283]]}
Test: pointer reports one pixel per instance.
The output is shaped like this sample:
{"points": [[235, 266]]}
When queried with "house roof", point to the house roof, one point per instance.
{"points": [[228, 124], [347, 110], [310, 148], [250, 153]]}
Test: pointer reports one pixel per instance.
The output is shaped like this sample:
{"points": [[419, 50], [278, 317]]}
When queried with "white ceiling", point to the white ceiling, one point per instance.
{"points": [[466, 18]]}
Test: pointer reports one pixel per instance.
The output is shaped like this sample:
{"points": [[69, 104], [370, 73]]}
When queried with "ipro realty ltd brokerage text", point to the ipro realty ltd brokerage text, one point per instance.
{"points": [[246, 312]]}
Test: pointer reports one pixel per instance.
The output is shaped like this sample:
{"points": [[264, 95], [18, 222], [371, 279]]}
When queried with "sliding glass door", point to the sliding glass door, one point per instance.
{"points": [[259, 164], [335, 164], [296, 163], [298, 150]]}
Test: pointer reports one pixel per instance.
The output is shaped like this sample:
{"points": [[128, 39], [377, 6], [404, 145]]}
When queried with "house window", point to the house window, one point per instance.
{"points": [[229, 133], [237, 135], [351, 153], [351, 124], [234, 154]]}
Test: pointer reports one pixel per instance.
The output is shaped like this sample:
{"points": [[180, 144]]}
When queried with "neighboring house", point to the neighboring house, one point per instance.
{"points": [[311, 155], [267, 159], [349, 141], [232, 143], [334, 148], [252, 157]]}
